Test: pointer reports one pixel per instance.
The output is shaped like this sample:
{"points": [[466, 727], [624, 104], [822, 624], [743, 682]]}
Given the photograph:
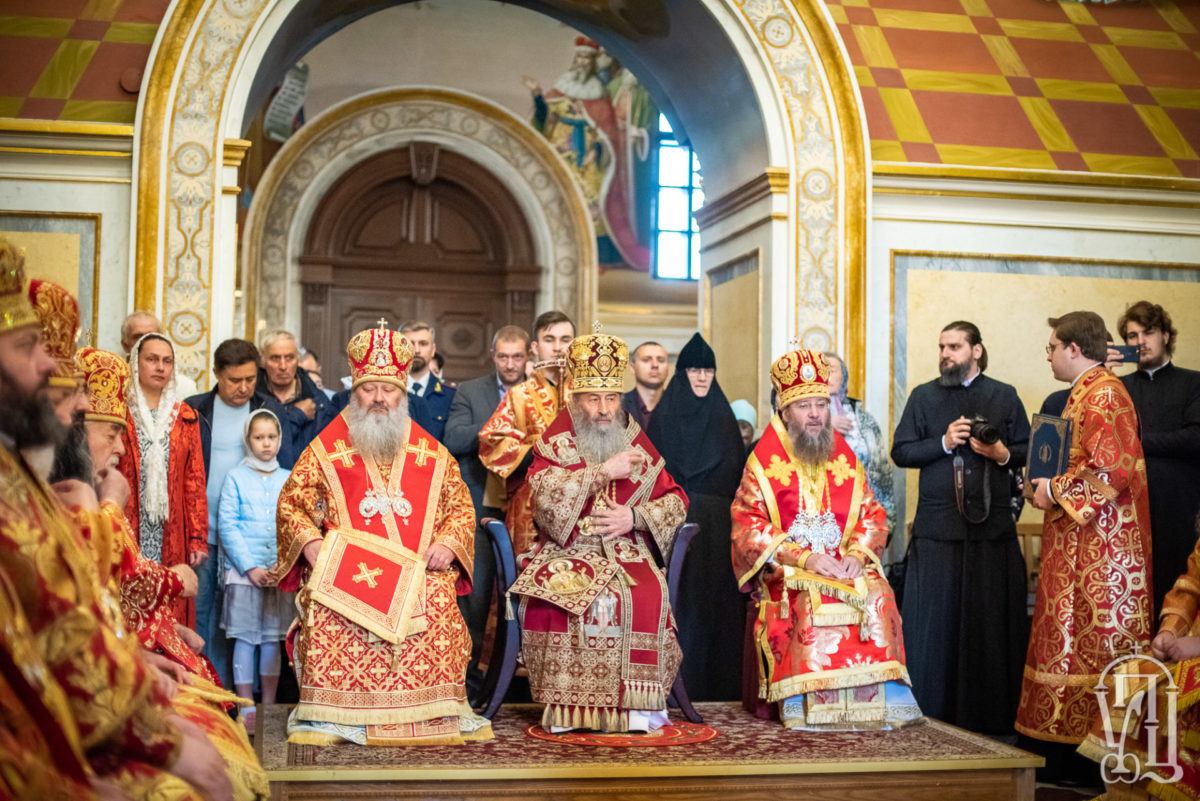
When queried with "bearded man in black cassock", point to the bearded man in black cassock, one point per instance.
{"points": [[965, 624], [694, 429]]}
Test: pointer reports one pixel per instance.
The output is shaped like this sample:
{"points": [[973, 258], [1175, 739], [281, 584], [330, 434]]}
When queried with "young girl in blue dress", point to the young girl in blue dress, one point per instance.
{"points": [[256, 613]]}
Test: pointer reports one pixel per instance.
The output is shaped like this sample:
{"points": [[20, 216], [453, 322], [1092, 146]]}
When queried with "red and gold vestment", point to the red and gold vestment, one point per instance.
{"points": [[1094, 601], [381, 642], [117, 713], [834, 641], [146, 590], [1126, 731], [524, 413], [618, 653]]}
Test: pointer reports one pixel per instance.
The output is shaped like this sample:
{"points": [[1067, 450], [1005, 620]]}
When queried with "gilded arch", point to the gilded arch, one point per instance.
{"points": [[204, 42]]}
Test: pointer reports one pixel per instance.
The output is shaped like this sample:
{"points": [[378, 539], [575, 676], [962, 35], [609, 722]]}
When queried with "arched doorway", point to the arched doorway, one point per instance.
{"points": [[771, 110], [417, 232]]}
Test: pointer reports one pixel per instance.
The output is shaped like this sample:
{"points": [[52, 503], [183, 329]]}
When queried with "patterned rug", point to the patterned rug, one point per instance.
{"points": [[744, 745], [682, 733]]}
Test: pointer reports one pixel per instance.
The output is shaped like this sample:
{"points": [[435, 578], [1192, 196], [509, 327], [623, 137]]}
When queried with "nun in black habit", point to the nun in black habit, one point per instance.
{"points": [[694, 429]]}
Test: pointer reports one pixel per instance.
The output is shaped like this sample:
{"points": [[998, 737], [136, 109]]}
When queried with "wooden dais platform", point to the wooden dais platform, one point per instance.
{"points": [[749, 759]]}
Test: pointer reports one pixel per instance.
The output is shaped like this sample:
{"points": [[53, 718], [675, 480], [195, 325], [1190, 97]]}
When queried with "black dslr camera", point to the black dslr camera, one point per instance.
{"points": [[984, 431]]}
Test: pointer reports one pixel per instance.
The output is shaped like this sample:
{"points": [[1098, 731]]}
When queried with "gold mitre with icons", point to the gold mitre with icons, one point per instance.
{"points": [[800, 374], [378, 354], [107, 378], [15, 309], [596, 362], [58, 313]]}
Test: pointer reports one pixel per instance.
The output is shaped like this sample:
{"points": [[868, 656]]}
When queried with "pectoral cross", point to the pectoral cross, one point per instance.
{"points": [[342, 453], [367, 575], [422, 451], [779, 470]]}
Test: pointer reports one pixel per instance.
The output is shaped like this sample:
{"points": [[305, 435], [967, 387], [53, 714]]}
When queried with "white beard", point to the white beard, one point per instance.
{"points": [[599, 442], [378, 435], [579, 85]]}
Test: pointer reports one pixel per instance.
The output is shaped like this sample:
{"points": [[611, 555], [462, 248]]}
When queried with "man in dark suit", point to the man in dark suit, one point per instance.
{"points": [[422, 383], [473, 405], [1167, 399], [307, 409]]}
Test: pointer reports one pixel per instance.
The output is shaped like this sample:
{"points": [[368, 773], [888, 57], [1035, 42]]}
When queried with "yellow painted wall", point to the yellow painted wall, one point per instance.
{"points": [[49, 256], [1011, 312], [735, 326]]}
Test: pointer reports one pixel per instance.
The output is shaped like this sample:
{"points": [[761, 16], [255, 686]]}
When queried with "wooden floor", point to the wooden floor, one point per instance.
{"points": [[749, 759]]}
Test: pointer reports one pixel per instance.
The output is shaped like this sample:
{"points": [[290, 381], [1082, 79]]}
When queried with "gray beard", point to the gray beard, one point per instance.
{"points": [[954, 376], [810, 449], [598, 443], [380, 436]]}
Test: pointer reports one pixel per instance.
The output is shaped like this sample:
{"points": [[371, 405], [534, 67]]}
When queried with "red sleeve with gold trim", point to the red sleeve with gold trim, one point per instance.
{"points": [[1111, 451], [1182, 603], [870, 532], [753, 533], [663, 514], [502, 440]]}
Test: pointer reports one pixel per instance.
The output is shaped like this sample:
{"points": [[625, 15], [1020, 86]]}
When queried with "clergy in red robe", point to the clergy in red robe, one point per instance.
{"points": [[525, 411], [1094, 599], [807, 535], [597, 633], [377, 532], [112, 713], [1153, 731], [147, 590]]}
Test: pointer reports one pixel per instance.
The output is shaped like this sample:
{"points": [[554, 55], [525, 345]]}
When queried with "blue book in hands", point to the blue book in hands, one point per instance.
{"points": [[1049, 449]]}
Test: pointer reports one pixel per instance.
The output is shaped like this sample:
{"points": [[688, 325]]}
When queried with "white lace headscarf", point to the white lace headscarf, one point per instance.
{"points": [[157, 429]]}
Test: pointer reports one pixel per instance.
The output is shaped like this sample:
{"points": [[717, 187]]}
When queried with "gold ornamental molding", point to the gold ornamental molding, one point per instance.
{"points": [[1055, 177], [235, 152], [12, 124]]}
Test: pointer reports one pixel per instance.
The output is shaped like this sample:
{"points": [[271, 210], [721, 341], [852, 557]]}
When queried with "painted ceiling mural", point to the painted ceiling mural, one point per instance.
{"points": [[1008, 83]]}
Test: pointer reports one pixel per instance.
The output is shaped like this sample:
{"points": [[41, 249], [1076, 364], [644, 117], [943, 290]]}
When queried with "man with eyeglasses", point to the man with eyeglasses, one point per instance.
{"points": [[1093, 598], [964, 598]]}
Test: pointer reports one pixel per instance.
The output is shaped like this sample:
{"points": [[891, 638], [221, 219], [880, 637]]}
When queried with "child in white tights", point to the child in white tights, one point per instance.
{"points": [[256, 613]]}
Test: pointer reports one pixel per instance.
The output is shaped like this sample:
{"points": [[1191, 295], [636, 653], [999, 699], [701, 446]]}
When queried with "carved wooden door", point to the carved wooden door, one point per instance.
{"points": [[417, 233]]}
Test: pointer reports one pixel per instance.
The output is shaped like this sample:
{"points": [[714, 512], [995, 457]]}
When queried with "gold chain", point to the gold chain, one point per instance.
{"points": [[813, 486]]}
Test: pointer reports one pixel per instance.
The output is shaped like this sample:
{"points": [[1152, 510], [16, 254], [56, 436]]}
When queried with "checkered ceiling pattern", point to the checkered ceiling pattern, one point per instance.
{"points": [[1029, 83], [1033, 84], [75, 59]]}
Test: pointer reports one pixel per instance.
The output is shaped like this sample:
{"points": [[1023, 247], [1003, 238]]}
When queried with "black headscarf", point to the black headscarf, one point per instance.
{"points": [[699, 437]]}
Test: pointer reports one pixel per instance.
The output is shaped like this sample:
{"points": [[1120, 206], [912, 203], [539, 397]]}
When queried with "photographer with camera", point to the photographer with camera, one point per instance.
{"points": [[965, 625]]}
